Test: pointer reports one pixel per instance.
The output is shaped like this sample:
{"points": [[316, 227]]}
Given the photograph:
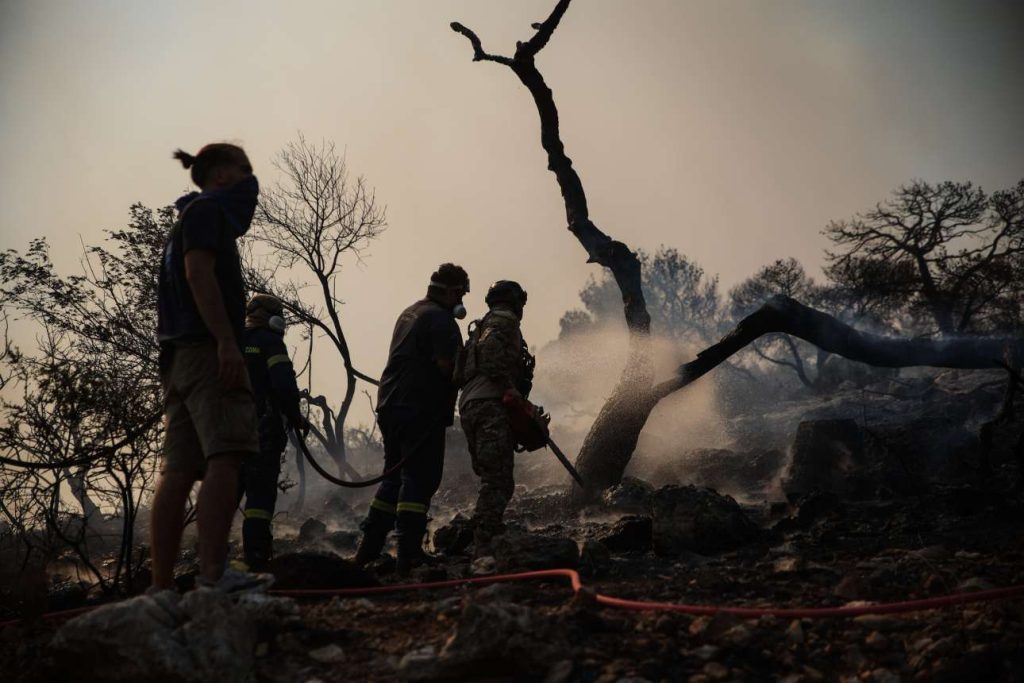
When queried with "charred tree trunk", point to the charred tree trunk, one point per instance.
{"points": [[788, 316], [333, 436], [612, 439]]}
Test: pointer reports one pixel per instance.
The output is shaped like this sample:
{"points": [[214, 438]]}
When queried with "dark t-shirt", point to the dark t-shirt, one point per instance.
{"points": [[412, 383], [202, 225]]}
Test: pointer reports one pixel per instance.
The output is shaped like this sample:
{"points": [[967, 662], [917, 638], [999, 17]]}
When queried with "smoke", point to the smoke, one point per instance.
{"points": [[577, 373]]}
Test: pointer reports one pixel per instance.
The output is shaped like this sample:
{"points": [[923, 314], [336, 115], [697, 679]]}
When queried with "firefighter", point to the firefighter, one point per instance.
{"points": [[415, 404], [277, 407], [496, 361]]}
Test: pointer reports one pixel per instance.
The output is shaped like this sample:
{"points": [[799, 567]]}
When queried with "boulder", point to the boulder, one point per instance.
{"points": [[688, 519], [630, 495], [202, 636], [631, 534], [514, 551], [828, 455], [129, 641]]}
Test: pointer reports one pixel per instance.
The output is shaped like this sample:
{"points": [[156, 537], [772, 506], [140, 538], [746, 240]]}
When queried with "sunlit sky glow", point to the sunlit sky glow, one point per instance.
{"points": [[733, 131]]}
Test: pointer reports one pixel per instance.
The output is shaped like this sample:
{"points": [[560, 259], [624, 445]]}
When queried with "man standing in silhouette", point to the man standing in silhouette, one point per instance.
{"points": [[415, 404], [209, 412]]}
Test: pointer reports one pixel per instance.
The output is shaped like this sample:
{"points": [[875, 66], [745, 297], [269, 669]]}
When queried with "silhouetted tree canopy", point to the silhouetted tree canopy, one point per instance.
{"points": [[83, 412], [948, 256]]}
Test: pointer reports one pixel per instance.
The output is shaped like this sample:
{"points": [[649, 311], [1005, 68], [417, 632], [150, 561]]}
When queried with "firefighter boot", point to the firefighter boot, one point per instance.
{"points": [[257, 541], [375, 528], [412, 526]]}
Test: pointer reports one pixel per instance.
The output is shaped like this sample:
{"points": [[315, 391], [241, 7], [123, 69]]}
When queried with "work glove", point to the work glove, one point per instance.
{"points": [[529, 423]]}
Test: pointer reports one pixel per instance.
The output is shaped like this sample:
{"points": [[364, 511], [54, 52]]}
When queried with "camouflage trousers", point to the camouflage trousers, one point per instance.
{"points": [[492, 449]]}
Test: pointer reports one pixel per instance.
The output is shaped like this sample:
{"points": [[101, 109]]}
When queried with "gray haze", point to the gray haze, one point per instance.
{"points": [[731, 130]]}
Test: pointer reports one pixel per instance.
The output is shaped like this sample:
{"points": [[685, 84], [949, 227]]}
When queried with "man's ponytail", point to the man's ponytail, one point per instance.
{"points": [[184, 157]]}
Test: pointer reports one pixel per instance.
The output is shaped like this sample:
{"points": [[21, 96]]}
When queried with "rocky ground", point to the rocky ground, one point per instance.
{"points": [[851, 511], [821, 552]]}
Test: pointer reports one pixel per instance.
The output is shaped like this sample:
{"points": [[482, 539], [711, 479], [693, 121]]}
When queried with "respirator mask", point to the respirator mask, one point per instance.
{"points": [[276, 324], [458, 310]]}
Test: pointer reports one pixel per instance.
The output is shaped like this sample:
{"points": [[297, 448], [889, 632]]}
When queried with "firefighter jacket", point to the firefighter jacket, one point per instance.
{"points": [[273, 384]]}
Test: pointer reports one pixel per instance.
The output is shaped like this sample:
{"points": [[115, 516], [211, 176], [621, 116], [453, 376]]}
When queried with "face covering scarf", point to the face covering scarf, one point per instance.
{"points": [[238, 202]]}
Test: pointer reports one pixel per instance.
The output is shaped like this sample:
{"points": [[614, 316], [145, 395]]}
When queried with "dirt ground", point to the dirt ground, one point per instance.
{"points": [[826, 552]]}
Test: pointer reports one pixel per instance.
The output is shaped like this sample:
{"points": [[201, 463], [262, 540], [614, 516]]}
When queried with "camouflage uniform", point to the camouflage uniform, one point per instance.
{"points": [[494, 364]]}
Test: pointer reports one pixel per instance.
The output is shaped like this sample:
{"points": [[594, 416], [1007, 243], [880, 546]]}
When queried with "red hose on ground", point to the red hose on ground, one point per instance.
{"points": [[640, 605]]}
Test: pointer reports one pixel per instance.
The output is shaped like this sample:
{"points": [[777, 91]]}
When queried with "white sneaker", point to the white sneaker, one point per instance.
{"points": [[236, 582]]}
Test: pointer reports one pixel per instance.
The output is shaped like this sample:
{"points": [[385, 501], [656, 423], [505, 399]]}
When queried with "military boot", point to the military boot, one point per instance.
{"points": [[375, 530], [411, 526], [484, 533]]}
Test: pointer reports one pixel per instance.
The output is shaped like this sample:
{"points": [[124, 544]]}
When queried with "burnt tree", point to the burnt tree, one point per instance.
{"points": [[612, 439], [311, 222], [614, 434]]}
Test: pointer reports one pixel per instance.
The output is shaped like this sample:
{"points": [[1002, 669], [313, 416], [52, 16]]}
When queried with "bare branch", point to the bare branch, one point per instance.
{"points": [[478, 51]]}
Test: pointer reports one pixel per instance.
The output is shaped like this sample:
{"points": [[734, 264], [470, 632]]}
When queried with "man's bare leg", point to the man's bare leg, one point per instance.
{"points": [[167, 516], [218, 499]]}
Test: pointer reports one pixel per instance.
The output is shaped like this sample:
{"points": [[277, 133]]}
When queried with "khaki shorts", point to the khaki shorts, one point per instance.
{"points": [[202, 418]]}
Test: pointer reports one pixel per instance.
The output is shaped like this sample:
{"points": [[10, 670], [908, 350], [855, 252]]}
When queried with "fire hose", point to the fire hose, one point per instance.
{"points": [[529, 425], [578, 589], [698, 610], [301, 440]]}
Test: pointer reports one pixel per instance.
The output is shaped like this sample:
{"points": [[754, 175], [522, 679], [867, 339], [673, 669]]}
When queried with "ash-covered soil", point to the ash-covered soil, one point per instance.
{"points": [[907, 515], [945, 541], [822, 551]]}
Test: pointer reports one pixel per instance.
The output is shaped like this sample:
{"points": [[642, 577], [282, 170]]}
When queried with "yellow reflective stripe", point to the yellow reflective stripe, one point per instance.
{"points": [[256, 513], [383, 506], [279, 358], [412, 507]]}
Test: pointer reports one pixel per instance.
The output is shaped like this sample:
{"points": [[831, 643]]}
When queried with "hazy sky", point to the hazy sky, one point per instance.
{"points": [[731, 130]]}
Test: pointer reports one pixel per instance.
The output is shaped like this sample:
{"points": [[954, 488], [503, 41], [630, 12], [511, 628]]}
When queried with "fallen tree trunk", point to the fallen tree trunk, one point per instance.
{"points": [[609, 445], [781, 314], [608, 460]]}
